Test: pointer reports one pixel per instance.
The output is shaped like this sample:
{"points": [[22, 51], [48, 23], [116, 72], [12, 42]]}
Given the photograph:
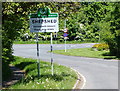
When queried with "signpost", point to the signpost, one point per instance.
{"points": [[65, 35], [44, 21], [38, 61]]}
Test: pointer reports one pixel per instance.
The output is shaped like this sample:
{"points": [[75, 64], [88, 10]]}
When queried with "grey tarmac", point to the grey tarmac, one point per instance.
{"points": [[99, 73]]}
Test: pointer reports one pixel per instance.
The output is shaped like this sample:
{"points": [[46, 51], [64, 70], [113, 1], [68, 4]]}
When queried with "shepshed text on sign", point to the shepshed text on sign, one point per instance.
{"points": [[41, 20], [49, 24]]}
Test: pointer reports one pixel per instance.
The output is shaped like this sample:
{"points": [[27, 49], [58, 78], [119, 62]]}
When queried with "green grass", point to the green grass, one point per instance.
{"points": [[86, 52], [48, 42], [63, 78]]}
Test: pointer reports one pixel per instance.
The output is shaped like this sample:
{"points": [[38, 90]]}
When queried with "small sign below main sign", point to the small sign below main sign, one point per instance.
{"points": [[65, 34]]}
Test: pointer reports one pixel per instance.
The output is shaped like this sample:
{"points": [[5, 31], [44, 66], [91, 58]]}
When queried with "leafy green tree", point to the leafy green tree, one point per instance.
{"points": [[111, 29], [14, 16]]}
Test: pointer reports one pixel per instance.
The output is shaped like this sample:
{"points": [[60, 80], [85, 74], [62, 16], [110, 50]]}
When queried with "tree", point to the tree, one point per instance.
{"points": [[14, 16], [111, 28]]}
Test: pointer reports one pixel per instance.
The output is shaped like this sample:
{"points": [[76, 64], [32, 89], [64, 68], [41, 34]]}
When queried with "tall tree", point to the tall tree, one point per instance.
{"points": [[111, 28]]}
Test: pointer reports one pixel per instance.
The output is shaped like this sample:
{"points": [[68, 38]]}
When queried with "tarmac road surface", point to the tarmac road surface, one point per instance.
{"points": [[99, 73]]}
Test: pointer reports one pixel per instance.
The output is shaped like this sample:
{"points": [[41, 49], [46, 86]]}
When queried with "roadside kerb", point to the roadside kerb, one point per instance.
{"points": [[80, 83]]}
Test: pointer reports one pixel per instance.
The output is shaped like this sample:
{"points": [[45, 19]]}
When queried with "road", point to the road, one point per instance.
{"points": [[99, 73]]}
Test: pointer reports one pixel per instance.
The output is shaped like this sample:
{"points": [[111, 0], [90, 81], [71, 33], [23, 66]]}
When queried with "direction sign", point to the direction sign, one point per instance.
{"points": [[44, 21]]}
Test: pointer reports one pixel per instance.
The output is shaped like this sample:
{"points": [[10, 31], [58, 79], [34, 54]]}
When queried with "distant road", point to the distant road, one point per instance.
{"points": [[99, 73]]}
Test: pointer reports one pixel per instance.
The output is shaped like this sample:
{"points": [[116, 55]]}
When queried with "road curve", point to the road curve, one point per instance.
{"points": [[99, 73]]}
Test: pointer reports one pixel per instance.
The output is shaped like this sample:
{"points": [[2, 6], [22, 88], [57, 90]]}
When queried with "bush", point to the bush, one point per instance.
{"points": [[101, 46]]}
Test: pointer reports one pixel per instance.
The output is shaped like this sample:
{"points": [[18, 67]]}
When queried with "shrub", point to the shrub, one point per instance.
{"points": [[101, 46]]}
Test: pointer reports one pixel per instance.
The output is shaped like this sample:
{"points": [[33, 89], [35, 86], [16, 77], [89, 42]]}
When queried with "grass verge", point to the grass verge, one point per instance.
{"points": [[63, 78], [86, 52]]}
